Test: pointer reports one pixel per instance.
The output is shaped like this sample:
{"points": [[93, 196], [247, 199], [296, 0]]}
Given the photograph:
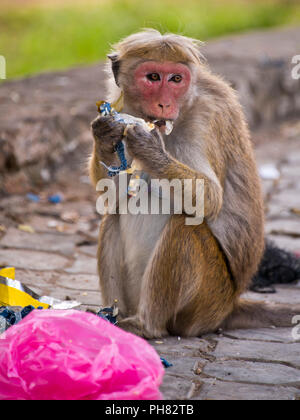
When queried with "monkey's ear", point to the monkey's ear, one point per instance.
{"points": [[113, 56], [115, 65]]}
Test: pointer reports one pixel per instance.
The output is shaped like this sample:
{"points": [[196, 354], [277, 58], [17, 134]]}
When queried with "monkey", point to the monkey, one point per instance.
{"points": [[170, 278]]}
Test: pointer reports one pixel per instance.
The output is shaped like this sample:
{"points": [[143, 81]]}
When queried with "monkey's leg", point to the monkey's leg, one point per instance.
{"points": [[187, 289], [110, 263]]}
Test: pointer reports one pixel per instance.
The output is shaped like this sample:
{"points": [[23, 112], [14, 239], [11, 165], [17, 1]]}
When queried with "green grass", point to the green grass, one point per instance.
{"points": [[35, 39]]}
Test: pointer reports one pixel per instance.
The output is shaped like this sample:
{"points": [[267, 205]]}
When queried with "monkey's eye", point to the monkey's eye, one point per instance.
{"points": [[176, 78], [153, 77]]}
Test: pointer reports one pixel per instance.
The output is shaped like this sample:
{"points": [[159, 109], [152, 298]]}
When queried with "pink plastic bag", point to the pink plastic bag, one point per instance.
{"points": [[73, 355]]}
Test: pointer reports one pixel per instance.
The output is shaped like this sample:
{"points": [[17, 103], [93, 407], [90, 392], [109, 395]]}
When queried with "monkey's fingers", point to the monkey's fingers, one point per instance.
{"points": [[106, 128], [103, 123], [137, 132]]}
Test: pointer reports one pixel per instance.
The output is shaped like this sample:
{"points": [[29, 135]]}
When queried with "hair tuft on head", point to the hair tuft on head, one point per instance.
{"points": [[153, 45]]}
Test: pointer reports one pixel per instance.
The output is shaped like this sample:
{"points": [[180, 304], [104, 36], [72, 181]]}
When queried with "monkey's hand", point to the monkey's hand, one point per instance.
{"points": [[107, 133], [147, 147]]}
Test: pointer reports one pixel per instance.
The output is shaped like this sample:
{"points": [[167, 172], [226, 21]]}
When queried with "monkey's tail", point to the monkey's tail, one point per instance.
{"points": [[252, 314], [277, 267]]}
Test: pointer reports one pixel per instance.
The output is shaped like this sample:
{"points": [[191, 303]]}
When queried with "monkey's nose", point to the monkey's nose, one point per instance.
{"points": [[163, 106]]}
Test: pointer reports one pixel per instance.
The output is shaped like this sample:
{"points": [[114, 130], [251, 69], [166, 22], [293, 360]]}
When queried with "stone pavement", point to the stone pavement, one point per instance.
{"points": [[58, 258]]}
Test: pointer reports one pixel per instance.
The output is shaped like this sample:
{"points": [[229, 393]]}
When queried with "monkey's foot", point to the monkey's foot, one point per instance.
{"points": [[135, 326], [132, 325]]}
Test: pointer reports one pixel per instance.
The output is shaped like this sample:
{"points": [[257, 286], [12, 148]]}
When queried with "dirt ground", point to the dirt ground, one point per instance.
{"points": [[53, 246]]}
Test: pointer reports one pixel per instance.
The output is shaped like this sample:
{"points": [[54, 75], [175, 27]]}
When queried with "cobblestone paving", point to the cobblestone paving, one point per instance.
{"points": [[58, 259]]}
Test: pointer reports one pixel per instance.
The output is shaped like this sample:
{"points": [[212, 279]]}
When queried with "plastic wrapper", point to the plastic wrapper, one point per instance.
{"points": [[73, 355], [8, 272], [105, 108], [14, 293]]}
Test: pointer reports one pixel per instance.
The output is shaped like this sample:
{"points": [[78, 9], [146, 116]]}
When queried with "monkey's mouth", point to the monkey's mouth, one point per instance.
{"points": [[165, 126]]}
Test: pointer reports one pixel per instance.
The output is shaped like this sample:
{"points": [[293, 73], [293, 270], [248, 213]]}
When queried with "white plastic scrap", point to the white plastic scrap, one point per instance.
{"points": [[269, 172]]}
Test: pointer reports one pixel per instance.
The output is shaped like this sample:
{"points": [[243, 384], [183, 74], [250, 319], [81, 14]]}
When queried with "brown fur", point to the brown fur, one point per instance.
{"points": [[170, 278]]}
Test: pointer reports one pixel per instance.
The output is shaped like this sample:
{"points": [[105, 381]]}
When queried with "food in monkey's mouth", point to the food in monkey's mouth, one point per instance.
{"points": [[164, 125]]}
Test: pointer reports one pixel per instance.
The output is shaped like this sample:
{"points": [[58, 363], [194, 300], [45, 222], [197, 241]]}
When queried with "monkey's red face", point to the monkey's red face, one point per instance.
{"points": [[161, 88]]}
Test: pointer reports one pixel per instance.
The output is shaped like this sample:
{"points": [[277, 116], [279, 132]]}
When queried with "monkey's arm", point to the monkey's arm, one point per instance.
{"points": [[213, 192], [149, 150]]}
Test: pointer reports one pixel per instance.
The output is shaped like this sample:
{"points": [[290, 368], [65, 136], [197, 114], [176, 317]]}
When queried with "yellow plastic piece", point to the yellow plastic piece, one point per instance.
{"points": [[119, 104], [9, 296], [99, 103], [26, 228], [8, 272], [116, 106]]}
